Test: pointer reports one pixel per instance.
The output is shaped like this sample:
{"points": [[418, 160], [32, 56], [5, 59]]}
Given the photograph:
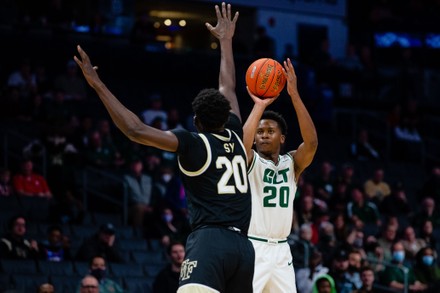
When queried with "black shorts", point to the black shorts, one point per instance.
{"points": [[219, 258]]}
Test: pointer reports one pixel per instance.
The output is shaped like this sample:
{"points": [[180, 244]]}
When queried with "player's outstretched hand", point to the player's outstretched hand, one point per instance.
{"points": [[289, 73], [88, 70], [263, 102], [225, 26]]}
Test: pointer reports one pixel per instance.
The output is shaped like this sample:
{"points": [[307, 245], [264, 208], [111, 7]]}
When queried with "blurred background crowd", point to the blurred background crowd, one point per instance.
{"points": [[79, 198]]}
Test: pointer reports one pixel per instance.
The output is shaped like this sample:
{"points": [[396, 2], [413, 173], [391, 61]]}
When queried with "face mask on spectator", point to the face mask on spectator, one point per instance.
{"points": [[168, 218], [167, 177], [428, 260], [399, 256], [99, 274]]}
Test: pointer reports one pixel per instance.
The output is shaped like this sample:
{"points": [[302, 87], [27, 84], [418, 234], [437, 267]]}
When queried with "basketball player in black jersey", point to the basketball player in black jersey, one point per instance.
{"points": [[212, 162]]}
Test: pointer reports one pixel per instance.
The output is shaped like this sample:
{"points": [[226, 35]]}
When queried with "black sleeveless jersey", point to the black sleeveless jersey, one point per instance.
{"points": [[214, 172]]}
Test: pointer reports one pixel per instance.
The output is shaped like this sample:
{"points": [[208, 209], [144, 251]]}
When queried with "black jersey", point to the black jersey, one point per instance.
{"points": [[213, 168]]}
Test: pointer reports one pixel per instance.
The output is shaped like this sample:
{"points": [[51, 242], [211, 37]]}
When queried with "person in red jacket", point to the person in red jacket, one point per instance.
{"points": [[29, 183]]}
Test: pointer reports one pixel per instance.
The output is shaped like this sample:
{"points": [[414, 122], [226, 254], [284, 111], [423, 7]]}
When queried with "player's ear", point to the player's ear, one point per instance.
{"points": [[282, 138]]}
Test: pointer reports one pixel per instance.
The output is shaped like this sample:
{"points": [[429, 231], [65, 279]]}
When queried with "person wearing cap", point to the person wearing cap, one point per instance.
{"points": [[339, 272], [101, 244]]}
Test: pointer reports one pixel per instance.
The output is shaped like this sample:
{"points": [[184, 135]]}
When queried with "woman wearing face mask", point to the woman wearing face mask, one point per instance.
{"points": [[98, 270], [170, 228], [426, 269], [394, 277]]}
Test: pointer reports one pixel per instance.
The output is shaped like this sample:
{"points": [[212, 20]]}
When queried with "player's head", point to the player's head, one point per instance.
{"points": [[271, 133], [278, 118], [211, 110]]}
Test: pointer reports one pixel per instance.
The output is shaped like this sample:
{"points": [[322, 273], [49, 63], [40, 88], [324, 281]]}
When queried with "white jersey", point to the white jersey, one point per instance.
{"points": [[273, 189]]}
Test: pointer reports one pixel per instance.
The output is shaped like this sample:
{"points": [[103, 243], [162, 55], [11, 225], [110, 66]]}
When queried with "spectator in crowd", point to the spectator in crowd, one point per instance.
{"points": [[368, 278], [100, 155], [327, 243], [89, 284], [354, 268], [431, 187], [306, 276], [362, 149], [23, 79], [427, 234], [376, 188], [324, 284], [396, 204], [374, 254], [102, 243], [167, 280], [6, 188], [339, 272], [169, 188], [81, 135], [174, 121], [57, 112], [56, 247], [393, 276], [426, 269], [71, 83], [98, 269], [29, 183], [303, 246], [340, 198], [324, 182], [140, 194], [67, 209], [342, 228], [348, 176], [154, 111], [264, 45], [411, 243], [363, 213], [46, 288], [304, 210], [389, 236], [169, 228], [14, 245], [427, 211]]}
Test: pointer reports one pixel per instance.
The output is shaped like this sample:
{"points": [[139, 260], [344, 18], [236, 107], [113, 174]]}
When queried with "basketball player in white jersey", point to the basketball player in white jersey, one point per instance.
{"points": [[273, 177]]}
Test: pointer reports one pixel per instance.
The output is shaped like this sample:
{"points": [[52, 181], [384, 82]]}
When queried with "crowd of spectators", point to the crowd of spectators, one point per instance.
{"points": [[349, 232]]}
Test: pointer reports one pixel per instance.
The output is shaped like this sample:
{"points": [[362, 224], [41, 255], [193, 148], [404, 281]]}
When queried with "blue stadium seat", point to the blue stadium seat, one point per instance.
{"points": [[103, 218], [28, 282], [139, 284], [152, 270], [81, 268], [83, 231], [126, 270], [132, 244], [5, 282], [63, 268], [65, 284], [9, 203], [36, 208], [148, 257], [18, 266]]}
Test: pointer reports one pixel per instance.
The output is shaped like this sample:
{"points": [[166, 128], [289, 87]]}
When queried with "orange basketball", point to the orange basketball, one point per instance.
{"points": [[265, 78]]}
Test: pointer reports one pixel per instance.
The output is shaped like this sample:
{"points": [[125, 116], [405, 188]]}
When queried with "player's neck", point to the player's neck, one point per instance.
{"points": [[274, 157]]}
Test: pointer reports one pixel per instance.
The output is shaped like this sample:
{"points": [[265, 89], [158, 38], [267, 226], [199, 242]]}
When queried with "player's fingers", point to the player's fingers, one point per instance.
{"points": [[77, 61], [209, 26], [235, 17], [229, 14], [95, 68], [217, 12], [224, 14]]}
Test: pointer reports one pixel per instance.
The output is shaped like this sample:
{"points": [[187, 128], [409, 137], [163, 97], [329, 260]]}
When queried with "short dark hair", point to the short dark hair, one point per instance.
{"points": [[278, 118], [211, 108], [52, 228], [366, 268]]}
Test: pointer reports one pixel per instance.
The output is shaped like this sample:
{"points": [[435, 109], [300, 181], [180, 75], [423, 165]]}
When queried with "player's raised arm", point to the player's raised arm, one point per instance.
{"points": [[250, 127], [307, 149], [224, 31], [128, 122]]}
